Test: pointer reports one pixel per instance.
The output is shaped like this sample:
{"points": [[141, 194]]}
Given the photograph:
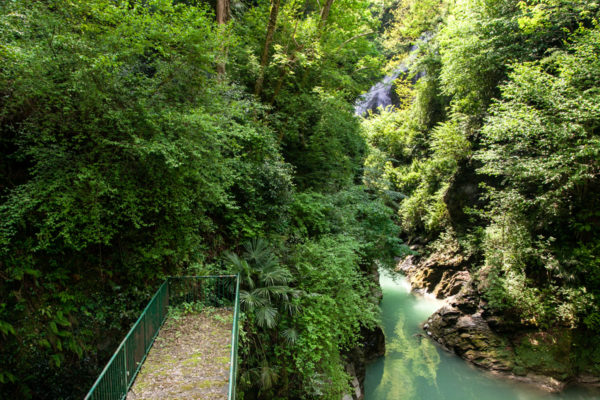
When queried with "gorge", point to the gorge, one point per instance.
{"points": [[416, 367]]}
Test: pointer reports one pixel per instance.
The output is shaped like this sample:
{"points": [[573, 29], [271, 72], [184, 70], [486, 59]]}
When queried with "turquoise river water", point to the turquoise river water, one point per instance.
{"points": [[414, 368]]}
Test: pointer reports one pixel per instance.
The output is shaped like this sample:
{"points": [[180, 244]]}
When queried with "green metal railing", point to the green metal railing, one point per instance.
{"points": [[219, 291], [235, 332]]}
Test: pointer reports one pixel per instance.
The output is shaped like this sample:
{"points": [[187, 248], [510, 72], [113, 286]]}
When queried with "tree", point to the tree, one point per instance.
{"points": [[265, 290], [542, 146], [265, 296], [223, 11], [325, 13], [120, 165], [264, 59]]}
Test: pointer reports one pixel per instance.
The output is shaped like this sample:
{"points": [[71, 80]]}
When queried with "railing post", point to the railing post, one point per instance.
{"points": [[115, 379], [234, 341], [168, 290], [144, 329], [125, 363]]}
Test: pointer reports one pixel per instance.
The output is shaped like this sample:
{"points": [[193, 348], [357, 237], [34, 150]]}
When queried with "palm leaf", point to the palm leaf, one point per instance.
{"points": [[290, 335], [266, 316]]}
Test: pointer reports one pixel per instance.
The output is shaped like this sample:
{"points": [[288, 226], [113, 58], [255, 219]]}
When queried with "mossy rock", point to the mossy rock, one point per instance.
{"points": [[587, 351], [546, 353]]}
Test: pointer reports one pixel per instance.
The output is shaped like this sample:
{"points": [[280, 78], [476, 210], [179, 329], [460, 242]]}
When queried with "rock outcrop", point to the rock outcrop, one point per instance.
{"points": [[491, 343], [497, 342], [442, 274], [370, 348]]}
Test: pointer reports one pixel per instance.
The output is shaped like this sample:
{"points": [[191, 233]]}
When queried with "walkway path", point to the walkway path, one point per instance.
{"points": [[189, 359]]}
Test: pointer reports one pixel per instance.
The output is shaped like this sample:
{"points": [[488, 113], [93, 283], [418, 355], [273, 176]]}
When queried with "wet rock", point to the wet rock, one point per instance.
{"points": [[472, 323], [452, 283], [447, 315], [543, 382], [466, 303], [371, 346], [357, 393], [494, 340], [407, 265], [374, 343], [442, 274], [498, 344], [589, 380]]}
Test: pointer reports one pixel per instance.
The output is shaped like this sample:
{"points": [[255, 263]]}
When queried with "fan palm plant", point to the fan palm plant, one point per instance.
{"points": [[265, 296], [265, 283]]}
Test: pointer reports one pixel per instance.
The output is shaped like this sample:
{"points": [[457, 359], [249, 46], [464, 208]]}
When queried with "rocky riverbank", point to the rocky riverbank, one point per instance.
{"points": [[372, 346], [550, 359]]}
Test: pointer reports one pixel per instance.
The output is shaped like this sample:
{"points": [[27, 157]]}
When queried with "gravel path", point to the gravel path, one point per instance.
{"points": [[189, 359]]}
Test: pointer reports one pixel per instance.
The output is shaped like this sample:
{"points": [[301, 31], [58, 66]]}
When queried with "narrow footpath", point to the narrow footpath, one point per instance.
{"points": [[189, 359]]}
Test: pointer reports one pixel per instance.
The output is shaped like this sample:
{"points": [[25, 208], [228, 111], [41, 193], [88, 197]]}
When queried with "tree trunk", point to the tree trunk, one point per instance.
{"points": [[291, 59], [325, 12], [265, 54], [282, 75], [222, 11]]}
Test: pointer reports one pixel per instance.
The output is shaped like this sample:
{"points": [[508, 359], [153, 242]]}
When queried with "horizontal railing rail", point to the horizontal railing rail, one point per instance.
{"points": [[119, 373]]}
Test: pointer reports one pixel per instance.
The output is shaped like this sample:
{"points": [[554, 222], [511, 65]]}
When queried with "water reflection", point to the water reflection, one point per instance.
{"points": [[408, 357], [414, 368]]}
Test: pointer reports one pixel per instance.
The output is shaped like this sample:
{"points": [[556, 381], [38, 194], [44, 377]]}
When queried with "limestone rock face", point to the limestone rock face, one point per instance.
{"points": [[469, 336], [530, 356], [372, 346]]}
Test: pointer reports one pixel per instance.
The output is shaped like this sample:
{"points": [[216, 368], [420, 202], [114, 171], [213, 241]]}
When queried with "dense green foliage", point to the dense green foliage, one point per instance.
{"points": [[544, 238], [127, 156], [499, 150], [315, 318], [141, 139]]}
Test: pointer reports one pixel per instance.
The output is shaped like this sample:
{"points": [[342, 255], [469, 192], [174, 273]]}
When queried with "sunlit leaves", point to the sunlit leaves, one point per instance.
{"points": [[541, 142]]}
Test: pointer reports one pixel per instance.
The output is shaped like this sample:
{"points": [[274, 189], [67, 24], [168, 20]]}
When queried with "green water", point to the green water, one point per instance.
{"points": [[416, 369]]}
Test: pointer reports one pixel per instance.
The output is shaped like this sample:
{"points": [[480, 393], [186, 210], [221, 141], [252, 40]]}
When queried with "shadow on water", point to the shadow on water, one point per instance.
{"points": [[415, 368]]}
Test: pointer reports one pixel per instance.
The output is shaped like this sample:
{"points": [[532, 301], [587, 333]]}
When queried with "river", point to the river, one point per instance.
{"points": [[415, 368]]}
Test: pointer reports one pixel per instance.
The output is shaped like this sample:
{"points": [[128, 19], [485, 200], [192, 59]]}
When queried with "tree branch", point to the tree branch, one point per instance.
{"points": [[353, 38]]}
